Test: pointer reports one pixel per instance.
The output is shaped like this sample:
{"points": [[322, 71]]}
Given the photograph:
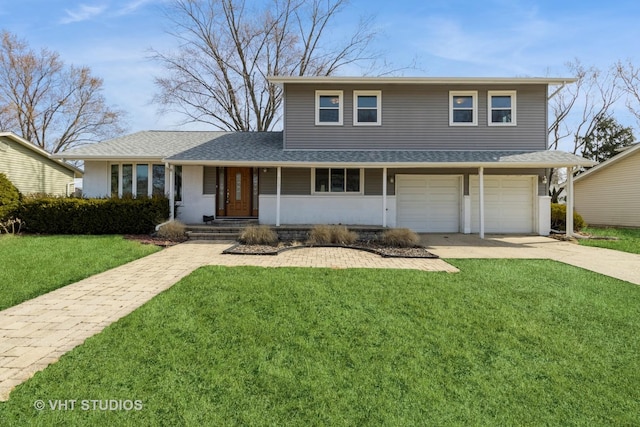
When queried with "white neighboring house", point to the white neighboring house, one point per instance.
{"points": [[609, 193], [450, 155]]}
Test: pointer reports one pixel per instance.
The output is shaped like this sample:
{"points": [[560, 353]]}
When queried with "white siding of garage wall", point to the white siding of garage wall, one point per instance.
{"points": [[611, 196], [31, 172], [415, 117]]}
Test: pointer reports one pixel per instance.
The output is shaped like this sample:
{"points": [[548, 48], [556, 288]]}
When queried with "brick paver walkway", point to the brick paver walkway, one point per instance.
{"points": [[36, 333]]}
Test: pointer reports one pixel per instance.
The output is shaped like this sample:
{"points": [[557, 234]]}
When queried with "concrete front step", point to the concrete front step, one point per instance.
{"points": [[193, 235]]}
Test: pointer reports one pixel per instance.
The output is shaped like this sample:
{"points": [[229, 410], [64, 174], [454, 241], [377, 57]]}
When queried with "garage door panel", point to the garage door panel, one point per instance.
{"points": [[428, 203], [508, 204]]}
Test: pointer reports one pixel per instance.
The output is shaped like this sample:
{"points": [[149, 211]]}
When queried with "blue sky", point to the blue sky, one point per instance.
{"points": [[502, 38]]}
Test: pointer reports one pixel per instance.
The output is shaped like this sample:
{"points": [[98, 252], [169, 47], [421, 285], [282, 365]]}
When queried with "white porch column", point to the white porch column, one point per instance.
{"points": [[384, 197], [466, 203], [481, 198], [569, 190], [172, 195], [278, 188]]}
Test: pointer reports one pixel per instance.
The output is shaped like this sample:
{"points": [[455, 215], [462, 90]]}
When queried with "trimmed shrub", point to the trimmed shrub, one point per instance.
{"points": [[559, 218], [258, 235], [332, 234], [93, 216], [400, 238], [174, 231], [9, 198]]}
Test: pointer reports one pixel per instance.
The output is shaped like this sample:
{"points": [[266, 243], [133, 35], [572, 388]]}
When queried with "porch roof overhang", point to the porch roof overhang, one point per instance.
{"points": [[266, 151]]}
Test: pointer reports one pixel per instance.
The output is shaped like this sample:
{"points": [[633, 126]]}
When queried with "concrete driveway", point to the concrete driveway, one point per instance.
{"points": [[621, 265]]}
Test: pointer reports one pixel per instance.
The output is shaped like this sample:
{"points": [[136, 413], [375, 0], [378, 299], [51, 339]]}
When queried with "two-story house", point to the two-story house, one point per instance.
{"points": [[461, 155]]}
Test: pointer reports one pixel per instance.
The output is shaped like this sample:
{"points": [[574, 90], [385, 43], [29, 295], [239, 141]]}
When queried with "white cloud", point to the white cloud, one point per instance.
{"points": [[82, 13], [132, 6]]}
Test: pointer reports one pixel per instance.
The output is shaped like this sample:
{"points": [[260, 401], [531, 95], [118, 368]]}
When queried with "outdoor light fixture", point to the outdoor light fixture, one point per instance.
{"points": [[264, 170], [544, 179]]}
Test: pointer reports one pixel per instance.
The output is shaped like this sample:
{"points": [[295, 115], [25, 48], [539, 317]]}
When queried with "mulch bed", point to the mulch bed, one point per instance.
{"points": [[241, 249], [150, 240], [384, 251]]}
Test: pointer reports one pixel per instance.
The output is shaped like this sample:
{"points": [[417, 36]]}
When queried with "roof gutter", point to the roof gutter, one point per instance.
{"points": [[371, 165]]}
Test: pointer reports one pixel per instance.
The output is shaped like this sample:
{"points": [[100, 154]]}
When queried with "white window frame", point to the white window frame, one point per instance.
{"points": [[474, 95], [134, 177], [340, 96], [378, 95], [492, 93], [336, 193]]}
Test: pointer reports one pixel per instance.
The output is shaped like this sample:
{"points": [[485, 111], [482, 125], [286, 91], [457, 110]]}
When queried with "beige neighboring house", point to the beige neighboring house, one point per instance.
{"points": [[32, 170], [609, 194]]}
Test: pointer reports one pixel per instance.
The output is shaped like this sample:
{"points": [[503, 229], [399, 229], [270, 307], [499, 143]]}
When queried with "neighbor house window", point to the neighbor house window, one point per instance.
{"points": [[328, 107], [337, 180], [463, 108], [502, 108], [367, 107]]}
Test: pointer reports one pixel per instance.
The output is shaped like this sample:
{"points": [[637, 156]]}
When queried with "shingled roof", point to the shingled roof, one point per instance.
{"points": [[265, 149]]}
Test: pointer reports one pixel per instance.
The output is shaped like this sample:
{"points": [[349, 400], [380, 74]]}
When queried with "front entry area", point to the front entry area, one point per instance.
{"points": [[237, 192]]}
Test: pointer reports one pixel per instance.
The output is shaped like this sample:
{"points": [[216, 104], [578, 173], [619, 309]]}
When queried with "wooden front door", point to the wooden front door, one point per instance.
{"points": [[239, 191]]}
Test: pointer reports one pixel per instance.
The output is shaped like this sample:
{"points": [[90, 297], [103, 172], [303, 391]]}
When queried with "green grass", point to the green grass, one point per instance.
{"points": [[629, 239], [35, 265], [503, 342]]}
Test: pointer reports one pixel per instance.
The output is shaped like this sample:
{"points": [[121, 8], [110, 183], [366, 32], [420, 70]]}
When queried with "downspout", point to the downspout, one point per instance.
{"points": [[67, 188], [569, 190], [562, 86]]}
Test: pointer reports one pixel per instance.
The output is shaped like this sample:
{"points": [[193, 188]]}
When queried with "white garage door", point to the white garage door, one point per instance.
{"points": [[508, 204], [428, 203]]}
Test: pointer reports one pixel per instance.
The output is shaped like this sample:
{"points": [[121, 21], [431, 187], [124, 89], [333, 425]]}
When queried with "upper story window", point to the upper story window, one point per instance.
{"points": [[463, 108], [367, 108], [502, 108], [329, 107]]}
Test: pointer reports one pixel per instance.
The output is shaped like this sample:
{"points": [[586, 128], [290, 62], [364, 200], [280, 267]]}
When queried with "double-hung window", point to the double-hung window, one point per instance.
{"points": [[329, 109], [501, 108], [463, 108], [367, 108], [337, 180]]}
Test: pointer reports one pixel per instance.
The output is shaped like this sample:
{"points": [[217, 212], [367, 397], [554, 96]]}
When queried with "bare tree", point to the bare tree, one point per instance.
{"points": [[630, 82], [54, 106], [576, 111], [228, 48]]}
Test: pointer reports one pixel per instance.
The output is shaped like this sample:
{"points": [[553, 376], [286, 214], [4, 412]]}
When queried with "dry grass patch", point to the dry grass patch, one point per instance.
{"points": [[258, 235], [332, 234], [400, 238], [174, 231]]}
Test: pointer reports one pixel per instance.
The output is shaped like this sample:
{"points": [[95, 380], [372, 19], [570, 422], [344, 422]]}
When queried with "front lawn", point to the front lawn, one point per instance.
{"points": [[629, 239], [35, 265], [503, 342]]}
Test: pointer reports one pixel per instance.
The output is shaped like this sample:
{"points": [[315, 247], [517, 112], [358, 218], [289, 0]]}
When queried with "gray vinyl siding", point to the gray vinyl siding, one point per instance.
{"points": [[31, 172], [416, 117], [295, 181]]}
